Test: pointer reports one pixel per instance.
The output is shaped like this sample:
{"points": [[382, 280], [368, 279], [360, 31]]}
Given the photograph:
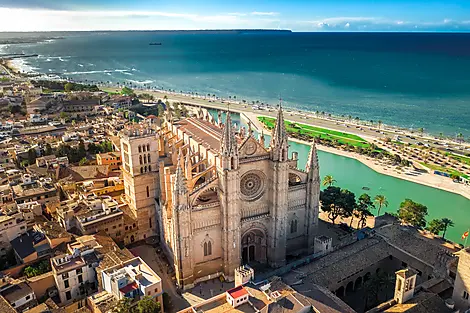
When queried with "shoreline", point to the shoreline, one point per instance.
{"points": [[422, 178], [426, 179]]}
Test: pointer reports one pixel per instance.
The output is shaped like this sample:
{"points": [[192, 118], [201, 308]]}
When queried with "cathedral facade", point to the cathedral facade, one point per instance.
{"points": [[223, 199]]}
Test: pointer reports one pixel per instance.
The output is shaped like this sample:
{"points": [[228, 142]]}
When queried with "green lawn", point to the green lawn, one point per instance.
{"points": [[312, 131], [444, 169], [462, 159]]}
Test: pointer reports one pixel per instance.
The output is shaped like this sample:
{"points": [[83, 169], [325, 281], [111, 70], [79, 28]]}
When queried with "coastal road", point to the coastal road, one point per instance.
{"points": [[368, 132]]}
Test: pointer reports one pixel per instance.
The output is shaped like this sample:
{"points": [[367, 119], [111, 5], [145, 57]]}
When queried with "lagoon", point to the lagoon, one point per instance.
{"points": [[353, 175]]}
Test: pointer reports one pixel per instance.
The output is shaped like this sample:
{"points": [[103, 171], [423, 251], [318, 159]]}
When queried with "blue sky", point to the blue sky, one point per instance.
{"points": [[298, 15]]}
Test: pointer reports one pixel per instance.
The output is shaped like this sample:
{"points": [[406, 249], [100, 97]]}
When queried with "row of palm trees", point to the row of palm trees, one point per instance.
{"points": [[380, 200]]}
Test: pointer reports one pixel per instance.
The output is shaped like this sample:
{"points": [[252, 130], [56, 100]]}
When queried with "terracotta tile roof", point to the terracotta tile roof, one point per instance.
{"points": [[237, 292], [128, 288], [5, 307]]}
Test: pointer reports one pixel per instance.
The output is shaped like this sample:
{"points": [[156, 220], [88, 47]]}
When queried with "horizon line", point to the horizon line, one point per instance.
{"points": [[239, 29]]}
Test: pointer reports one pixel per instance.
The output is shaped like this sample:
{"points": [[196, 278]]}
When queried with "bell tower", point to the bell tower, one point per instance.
{"points": [[280, 184], [139, 153], [229, 181]]}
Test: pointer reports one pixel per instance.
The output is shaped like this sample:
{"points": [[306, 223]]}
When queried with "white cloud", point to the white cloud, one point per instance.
{"points": [[347, 25], [57, 20], [264, 13]]}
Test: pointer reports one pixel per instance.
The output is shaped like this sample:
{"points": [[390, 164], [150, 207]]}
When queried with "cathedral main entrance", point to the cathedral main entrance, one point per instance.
{"points": [[254, 247]]}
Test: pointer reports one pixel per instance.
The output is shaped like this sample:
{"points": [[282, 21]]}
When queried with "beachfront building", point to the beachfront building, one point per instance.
{"points": [[224, 199]]}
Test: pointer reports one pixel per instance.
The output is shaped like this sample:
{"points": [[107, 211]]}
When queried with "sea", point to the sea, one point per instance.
{"points": [[410, 80]]}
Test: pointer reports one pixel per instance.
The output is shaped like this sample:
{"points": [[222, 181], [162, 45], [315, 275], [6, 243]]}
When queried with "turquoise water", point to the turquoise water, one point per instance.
{"points": [[407, 79], [353, 175]]}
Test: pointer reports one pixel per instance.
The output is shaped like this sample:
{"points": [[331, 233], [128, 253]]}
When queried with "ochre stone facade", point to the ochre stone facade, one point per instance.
{"points": [[223, 199]]}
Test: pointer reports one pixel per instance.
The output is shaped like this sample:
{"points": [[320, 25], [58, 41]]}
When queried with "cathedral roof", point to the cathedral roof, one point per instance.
{"points": [[208, 134]]}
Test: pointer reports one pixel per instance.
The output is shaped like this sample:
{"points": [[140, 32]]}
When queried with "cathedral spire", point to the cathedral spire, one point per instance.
{"points": [[261, 138], [228, 144], [180, 187], [279, 143], [312, 167], [189, 165]]}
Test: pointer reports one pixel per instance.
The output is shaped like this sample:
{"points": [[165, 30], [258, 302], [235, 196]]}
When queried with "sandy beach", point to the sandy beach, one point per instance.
{"points": [[420, 177], [370, 134]]}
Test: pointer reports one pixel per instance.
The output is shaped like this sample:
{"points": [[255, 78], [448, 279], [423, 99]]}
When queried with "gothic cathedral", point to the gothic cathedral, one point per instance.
{"points": [[222, 199]]}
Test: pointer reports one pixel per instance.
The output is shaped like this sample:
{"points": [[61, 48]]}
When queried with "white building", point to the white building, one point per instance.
{"points": [[133, 279], [20, 296], [11, 227], [74, 273]]}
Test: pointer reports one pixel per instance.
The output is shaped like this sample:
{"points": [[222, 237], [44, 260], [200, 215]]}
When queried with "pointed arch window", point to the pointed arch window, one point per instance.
{"points": [[148, 147], [148, 157], [141, 170], [140, 149], [293, 226], [145, 158], [207, 248], [140, 159], [148, 192], [150, 168], [207, 245]]}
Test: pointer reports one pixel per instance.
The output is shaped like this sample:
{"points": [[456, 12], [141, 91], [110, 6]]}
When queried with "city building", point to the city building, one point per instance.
{"points": [[461, 294], [80, 107], [30, 189], [222, 198], [19, 295], [11, 227], [90, 215], [132, 279], [113, 159], [51, 160], [74, 274]]}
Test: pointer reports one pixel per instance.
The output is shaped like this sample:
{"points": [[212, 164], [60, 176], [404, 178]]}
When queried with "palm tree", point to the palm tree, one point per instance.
{"points": [[446, 222], [381, 201], [328, 181]]}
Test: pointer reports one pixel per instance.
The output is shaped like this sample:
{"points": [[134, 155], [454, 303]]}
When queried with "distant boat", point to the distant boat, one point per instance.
{"points": [[155, 44], [365, 188]]}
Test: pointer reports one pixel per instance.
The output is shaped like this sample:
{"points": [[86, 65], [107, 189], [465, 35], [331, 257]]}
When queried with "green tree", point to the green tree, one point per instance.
{"points": [[81, 150], [337, 202], [161, 110], [381, 201], [63, 116], [124, 306], [83, 161], [413, 213], [30, 271], [48, 149], [435, 226], [127, 91], [32, 155], [446, 223], [68, 87], [148, 305], [363, 207], [328, 181], [106, 146]]}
